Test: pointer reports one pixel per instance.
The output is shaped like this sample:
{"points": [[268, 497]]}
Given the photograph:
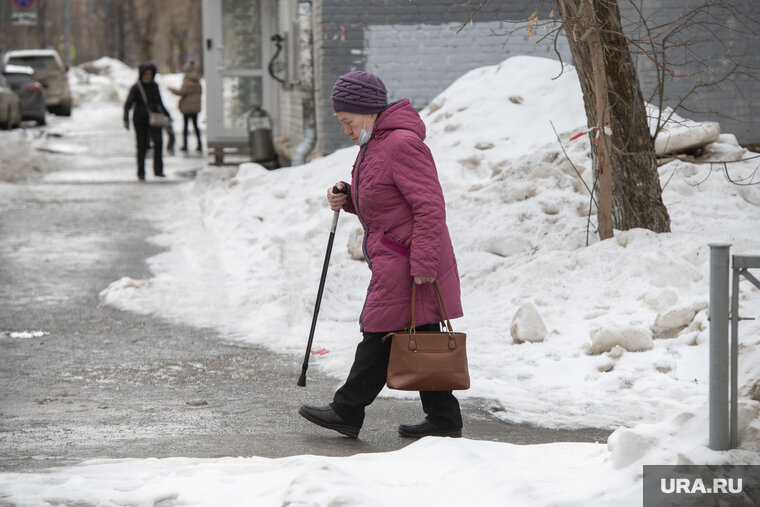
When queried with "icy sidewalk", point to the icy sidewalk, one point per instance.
{"points": [[432, 471]]}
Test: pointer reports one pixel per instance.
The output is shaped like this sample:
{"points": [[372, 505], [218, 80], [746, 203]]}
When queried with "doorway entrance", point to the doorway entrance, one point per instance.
{"points": [[237, 49]]}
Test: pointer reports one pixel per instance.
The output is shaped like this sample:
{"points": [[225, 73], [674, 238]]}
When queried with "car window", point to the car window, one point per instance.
{"points": [[18, 80], [35, 62]]}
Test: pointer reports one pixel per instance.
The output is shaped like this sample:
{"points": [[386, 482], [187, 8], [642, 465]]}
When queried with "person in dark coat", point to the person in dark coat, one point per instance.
{"points": [[190, 101], [144, 133], [396, 195]]}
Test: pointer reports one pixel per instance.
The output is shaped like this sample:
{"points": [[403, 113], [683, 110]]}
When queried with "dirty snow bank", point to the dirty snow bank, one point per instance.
{"points": [[20, 160]]}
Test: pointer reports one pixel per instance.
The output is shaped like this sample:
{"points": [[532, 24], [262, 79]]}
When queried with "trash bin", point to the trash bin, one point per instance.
{"points": [[260, 136]]}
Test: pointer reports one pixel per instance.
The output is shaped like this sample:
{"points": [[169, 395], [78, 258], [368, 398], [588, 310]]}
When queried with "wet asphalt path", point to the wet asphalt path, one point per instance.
{"points": [[102, 383]]}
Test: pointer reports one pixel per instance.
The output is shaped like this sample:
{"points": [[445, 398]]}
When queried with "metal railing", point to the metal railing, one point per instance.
{"points": [[724, 372]]}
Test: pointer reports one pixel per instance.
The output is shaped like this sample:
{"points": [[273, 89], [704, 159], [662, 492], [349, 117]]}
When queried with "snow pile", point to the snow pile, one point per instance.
{"points": [[632, 339], [20, 160], [679, 134], [488, 116], [443, 472], [625, 319], [105, 80], [527, 325]]}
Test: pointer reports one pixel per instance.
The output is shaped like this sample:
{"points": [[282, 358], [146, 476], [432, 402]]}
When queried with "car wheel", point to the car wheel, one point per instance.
{"points": [[40, 121], [65, 110]]}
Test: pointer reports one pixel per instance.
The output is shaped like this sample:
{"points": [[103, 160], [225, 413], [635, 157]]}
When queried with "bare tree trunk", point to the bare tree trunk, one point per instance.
{"points": [[602, 110], [142, 21], [594, 32], [115, 38]]}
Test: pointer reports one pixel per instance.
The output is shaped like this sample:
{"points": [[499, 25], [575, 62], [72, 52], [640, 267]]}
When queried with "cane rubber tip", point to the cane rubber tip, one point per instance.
{"points": [[302, 382]]}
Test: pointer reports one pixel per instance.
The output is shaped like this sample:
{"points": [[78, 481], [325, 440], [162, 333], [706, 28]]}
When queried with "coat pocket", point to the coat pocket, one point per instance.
{"points": [[395, 246]]}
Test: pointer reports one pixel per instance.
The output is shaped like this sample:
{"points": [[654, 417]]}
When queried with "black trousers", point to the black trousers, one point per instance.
{"points": [[144, 135], [367, 378], [185, 131]]}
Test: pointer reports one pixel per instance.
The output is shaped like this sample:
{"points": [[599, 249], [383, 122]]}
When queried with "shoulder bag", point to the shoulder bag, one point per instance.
{"points": [[156, 120], [425, 360]]}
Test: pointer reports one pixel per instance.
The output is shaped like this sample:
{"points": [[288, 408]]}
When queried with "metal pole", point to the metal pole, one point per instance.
{"points": [[736, 274], [718, 398]]}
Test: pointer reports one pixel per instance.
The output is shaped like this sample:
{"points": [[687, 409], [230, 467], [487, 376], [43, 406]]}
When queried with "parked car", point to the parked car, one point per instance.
{"points": [[10, 112], [51, 72], [29, 91]]}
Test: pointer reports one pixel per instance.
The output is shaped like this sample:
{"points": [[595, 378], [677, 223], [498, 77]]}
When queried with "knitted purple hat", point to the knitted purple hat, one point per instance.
{"points": [[359, 92]]}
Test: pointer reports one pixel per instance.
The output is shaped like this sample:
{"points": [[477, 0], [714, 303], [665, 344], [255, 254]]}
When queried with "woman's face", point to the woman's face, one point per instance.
{"points": [[353, 123], [147, 76]]}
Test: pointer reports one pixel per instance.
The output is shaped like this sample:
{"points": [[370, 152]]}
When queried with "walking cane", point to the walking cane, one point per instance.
{"points": [[302, 380]]}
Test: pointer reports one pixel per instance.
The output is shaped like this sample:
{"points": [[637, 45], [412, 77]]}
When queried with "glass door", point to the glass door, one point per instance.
{"points": [[238, 48]]}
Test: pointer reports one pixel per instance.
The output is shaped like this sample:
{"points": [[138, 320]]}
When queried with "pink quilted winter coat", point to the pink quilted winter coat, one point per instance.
{"points": [[396, 194]]}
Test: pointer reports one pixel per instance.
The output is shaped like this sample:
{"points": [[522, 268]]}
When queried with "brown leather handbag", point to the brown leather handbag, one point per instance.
{"points": [[428, 360]]}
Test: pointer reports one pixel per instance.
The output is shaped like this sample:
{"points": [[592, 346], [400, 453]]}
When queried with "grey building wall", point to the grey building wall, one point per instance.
{"points": [[734, 103], [288, 125], [396, 52], [413, 46]]}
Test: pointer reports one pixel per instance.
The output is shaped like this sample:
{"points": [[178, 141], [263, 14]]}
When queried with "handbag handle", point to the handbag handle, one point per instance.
{"points": [[441, 308]]}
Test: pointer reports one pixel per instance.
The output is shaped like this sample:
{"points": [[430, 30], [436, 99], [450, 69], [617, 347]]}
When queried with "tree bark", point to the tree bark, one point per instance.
{"points": [[142, 21], [602, 113], [612, 96]]}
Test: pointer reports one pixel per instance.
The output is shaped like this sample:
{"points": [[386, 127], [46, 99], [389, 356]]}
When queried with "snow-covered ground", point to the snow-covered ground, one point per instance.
{"points": [[563, 334]]}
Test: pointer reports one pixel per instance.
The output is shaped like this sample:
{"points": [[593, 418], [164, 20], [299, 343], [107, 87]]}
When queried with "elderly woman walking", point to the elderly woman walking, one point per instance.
{"points": [[396, 195]]}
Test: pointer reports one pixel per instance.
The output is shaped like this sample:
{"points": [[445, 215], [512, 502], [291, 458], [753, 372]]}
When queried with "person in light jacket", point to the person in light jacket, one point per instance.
{"points": [[190, 101], [144, 133], [396, 195]]}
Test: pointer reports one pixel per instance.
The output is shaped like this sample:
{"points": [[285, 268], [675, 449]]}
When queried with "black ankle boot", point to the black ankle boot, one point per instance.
{"points": [[328, 418], [428, 429]]}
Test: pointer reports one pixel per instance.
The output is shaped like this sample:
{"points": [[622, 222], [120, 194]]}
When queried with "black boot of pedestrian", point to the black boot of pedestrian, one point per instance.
{"points": [[428, 429], [328, 418]]}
